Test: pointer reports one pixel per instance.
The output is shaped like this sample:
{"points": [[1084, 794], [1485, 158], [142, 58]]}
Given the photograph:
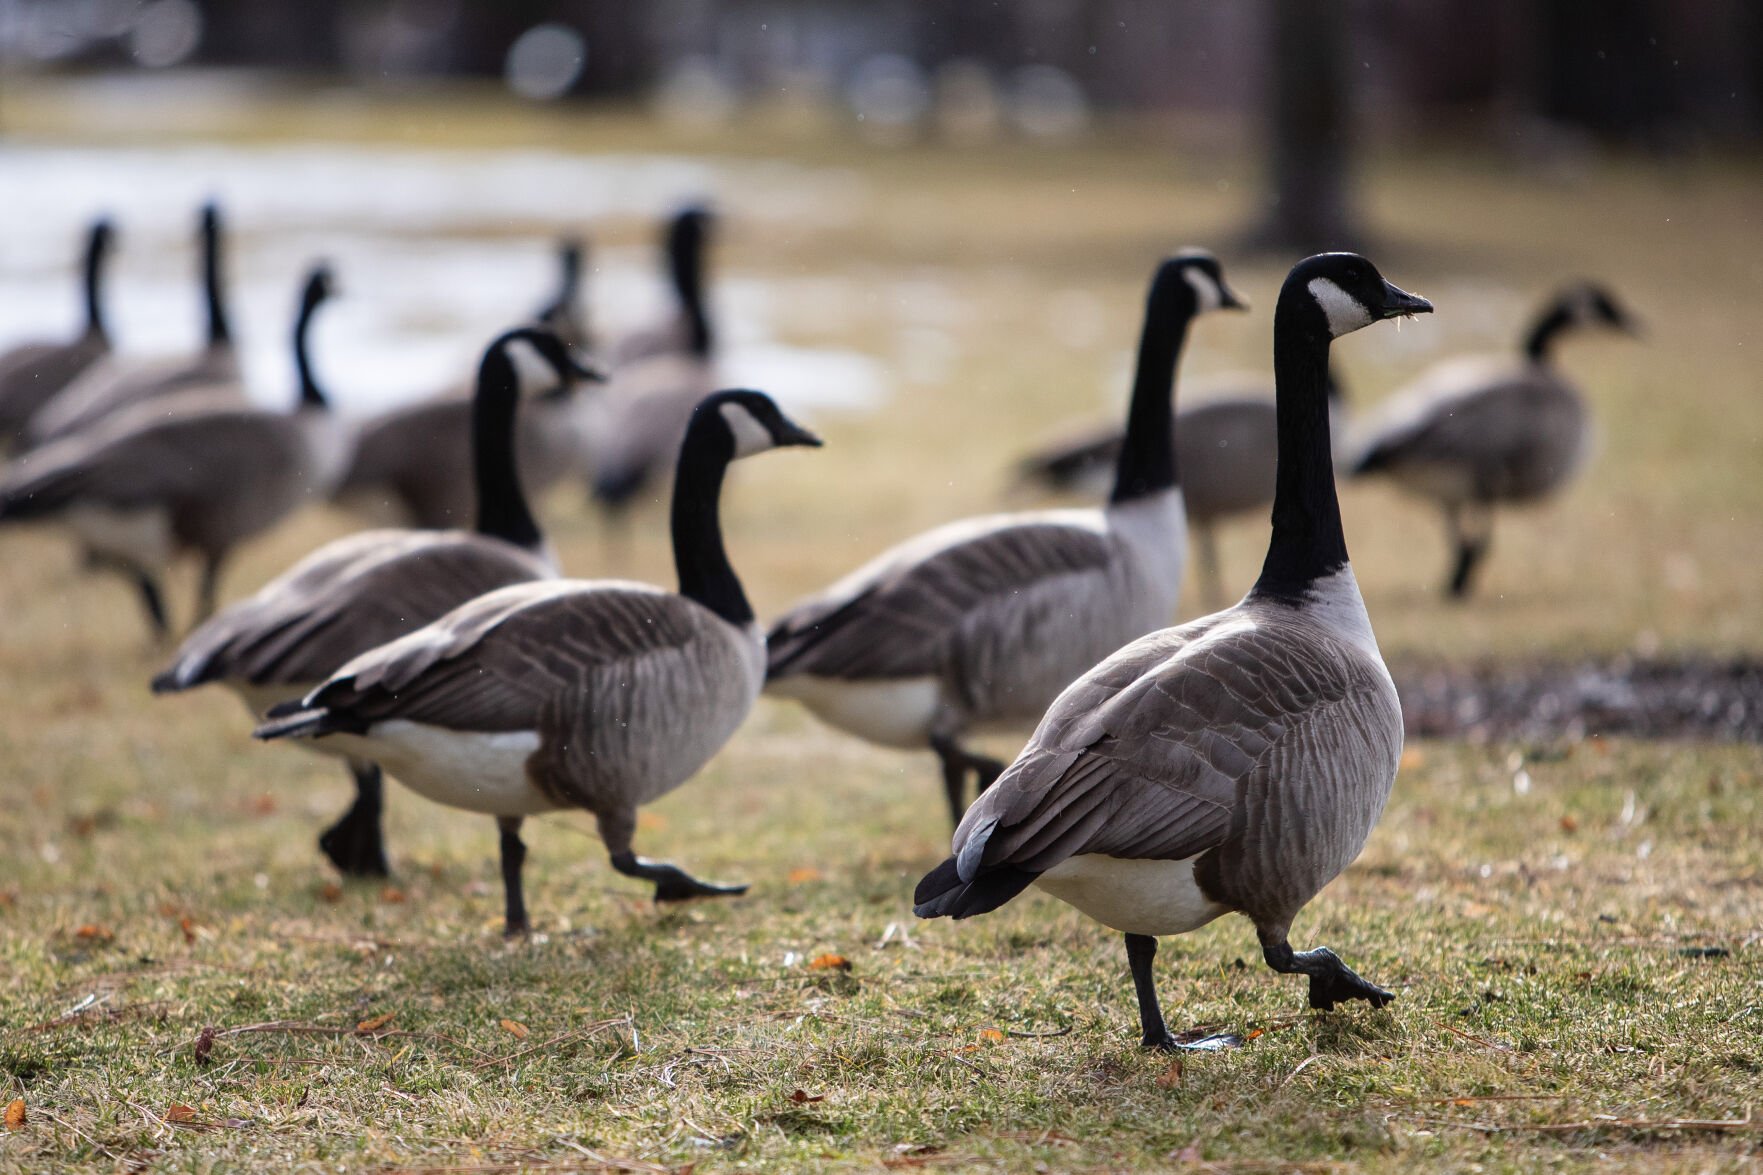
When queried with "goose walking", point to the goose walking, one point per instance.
{"points": [[31, 374], [659, 376], [419, 456], [119, 382], [1225, 447], [1475, 432], [601, 695], [159, 478], [1235, 763], [981, 623], [359, 592]]}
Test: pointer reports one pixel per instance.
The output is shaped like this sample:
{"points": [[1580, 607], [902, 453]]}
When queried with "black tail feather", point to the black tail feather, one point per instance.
{"points": [[942, 893]]}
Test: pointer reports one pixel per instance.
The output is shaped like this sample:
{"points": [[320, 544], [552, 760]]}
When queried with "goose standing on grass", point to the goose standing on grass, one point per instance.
{"points": [[1236, 763], [981, 623], [32, 373], [1225, 447], [359, 592], [419, 456], [160, 478], [1477, 431], [602, 695], [119, 383], [659, 376]]}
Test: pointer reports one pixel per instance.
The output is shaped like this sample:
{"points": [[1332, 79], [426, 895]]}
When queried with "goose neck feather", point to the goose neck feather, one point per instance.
{"points": [[1147, 453], [502, 509], [699, 556]]}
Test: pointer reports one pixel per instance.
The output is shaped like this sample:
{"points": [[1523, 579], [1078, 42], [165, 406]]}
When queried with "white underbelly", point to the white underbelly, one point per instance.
{"points": [[474, 770], [141, 538], [1133, 897], [898, 713]]}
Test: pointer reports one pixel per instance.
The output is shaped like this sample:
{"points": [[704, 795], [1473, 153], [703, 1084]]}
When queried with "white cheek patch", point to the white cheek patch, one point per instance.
{"points": [[1344, 312], [1206, 291], [750, 436]]}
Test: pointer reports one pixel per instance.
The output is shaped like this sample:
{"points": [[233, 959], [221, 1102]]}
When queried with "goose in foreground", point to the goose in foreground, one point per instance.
{"points": [[359, 592], [1477, 431], [1225, 446], [596, 694], [419, 456], [1235, 763], [118, 383], [980, 623], [32, 373], [163, 477], [659, 376]]}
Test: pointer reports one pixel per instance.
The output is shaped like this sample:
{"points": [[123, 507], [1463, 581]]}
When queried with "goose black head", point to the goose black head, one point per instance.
{"points": [[101, 235], [1200, 270], [753, 422], [321, 283], [1590, 304], [688, 229], [1343, 292]]}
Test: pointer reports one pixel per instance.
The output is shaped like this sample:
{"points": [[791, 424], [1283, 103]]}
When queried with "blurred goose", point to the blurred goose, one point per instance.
{"points": [[159, 478], [659, 376], [419, 456], [359, 592], [1225, 445], [563, 315], [118, 383], [981, 623], [1476, 431], [32, 373], [602, 695], [1236, 763]]}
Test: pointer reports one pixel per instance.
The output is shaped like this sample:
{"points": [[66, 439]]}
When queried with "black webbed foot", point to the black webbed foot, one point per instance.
{"points": [[355, 843], [1331, 981], [672, 884]]}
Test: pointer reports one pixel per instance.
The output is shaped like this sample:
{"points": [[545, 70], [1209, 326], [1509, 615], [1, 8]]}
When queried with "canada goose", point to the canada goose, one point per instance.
{"points": [[982, 622], [31, 373], [420, 455], [118, 383], [599, 694], [359, 592], [1236, 763], [147, 482], [1476, 431], [1225, 446], [562, 315], [659, 376]]}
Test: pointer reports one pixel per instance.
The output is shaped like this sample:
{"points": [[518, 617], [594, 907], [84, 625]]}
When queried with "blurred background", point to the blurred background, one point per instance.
{"points": [[938, 216]]}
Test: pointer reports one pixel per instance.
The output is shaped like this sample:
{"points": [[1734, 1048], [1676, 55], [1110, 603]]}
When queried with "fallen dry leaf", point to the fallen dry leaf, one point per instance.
{"points": [[802, 1097], [392, 895], [94, 932], [15, 1115], [829, 963], [178, 1112], [188, 926], [516, 1027], [332, 893], [1171, 1077], [263, 805], [1569, 823], [8, 898], [804, 873], [1256, 1032], [991, 1035], [374, 1025], [205, 1045]]}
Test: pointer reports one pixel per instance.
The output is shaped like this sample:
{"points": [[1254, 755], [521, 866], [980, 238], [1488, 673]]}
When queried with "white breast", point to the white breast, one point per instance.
{"points": [[141, 538], [1133, 897], [474, 770], [892, 713]]}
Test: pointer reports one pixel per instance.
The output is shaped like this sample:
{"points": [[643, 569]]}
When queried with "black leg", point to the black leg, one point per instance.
{"points": [[957, 761], [1141, 950], [1471, 531], [985, 772], [154, 602], [208, 591], [672, 884], [1331, 981], [355, 844], [513, 857]]}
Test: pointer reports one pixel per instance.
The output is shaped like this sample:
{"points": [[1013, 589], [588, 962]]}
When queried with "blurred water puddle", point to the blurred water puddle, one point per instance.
{"points": [[434, 250]]}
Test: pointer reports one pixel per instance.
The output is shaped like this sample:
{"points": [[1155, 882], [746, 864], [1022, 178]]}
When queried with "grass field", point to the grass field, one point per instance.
{"points": [[1571, 928]]}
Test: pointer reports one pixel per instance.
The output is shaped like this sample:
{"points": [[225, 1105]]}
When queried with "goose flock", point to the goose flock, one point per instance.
{"points": [[1235, 763]]}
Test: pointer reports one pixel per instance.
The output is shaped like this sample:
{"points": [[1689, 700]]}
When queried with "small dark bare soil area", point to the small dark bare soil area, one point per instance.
{"points": [[1720, 700]]}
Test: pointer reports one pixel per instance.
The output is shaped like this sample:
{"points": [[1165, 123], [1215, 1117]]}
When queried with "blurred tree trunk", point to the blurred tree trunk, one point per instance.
{"points": [[1309, 129]]}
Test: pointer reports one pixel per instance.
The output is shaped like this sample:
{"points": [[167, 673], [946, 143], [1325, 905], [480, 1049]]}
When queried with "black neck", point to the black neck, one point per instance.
{"points": [[311, 395], [502, 510], [1147, 454], [698, 554], [220, 332], [1307, 541], [686, 264], [95, 250], [1548, 327], [561, 312]]}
